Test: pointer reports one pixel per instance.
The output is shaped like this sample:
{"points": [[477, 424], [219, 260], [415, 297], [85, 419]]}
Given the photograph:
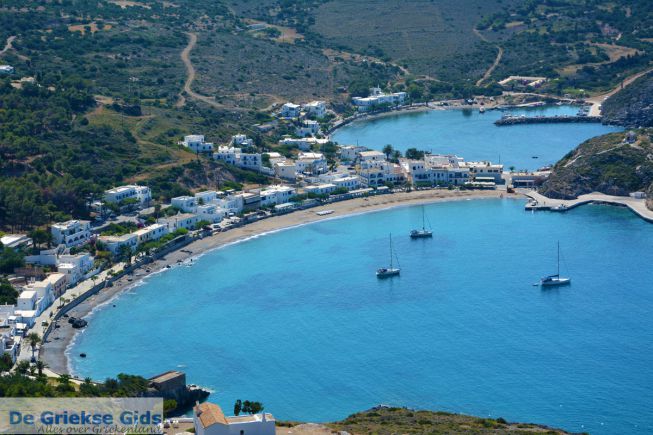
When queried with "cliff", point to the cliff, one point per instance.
{"points": [[614, 164], [632, 106]]}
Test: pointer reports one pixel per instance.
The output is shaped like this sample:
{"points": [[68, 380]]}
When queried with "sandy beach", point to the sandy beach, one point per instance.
{"points": [[53, 351]]}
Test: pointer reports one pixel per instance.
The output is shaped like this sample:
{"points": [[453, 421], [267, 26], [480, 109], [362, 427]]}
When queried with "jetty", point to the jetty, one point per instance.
{"points": [[540, 202], [558, 119]]}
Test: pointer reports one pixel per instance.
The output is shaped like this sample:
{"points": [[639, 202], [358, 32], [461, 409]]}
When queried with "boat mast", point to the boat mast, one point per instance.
{"points": [[390, 250], [558, 257], [423, 225]]}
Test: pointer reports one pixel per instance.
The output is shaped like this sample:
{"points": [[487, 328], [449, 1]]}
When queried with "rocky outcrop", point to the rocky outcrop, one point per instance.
{"points": [[614, 164], [632, 106]]}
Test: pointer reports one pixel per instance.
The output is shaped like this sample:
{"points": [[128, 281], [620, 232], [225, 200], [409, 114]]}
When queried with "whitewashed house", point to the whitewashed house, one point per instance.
{"points": [[485, 170], [71, 233], [251, 161], [275, 195], [115, 243], [227, 154], [151, 233], [196, 143], [321, 189], [186, 204], [75, 267], [378, 98], [308, 128], [349, 153], [311, 163], [342, 181], [6, 69], [142, 194], [290, 110], [16, 241], [315, 108], [286, 170], [182, 220], [304, 143], [241, 140], [209, 419]]}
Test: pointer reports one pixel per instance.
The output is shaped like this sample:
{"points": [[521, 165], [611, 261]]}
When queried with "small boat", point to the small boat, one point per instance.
{"points": [[423, 233], [481, 109], [387, 272], [555, 280]]}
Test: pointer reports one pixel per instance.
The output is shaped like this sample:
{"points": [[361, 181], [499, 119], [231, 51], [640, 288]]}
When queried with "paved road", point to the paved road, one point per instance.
{"points": [[26, 350]]}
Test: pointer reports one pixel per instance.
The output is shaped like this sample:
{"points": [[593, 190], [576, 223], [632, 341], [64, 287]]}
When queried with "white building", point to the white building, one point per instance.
{"points": [[142, 194], [209, 420], [275, 195], [75, 267], [58, 282], [15, 241], [485, 169], [315, 108], [26, 300], [182, 220], [311, 163], [304, 144], [227, 154], [196, 143], [308, 128], [249, 161], [6, 69], [71, 233], [378, 98], [40, 294], [349, 153], [115, 243], [290, 110], [241, 140], [151, 233], [342, 181], [374, 173], [186, 204], [371, 156], [437, 169], [321, 189], [286, 170]]}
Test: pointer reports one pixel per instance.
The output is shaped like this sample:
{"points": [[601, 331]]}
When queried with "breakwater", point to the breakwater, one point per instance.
{"points": [[559, 119]]}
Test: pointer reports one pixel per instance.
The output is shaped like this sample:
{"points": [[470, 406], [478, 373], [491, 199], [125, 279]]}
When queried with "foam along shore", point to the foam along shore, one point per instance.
{"points": [[54, 351]]}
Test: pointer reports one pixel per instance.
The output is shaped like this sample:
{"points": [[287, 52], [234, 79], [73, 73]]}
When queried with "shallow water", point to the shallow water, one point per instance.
{"points": [[474, 136], [298, 321]]}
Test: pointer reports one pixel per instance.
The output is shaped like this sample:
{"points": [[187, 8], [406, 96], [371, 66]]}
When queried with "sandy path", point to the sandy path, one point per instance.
{"points": [[190, 71], [496, 62]]}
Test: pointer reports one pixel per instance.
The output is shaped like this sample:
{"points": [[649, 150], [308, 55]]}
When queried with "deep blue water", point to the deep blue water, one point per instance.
{"points": [[474, 136], [297, 319]]}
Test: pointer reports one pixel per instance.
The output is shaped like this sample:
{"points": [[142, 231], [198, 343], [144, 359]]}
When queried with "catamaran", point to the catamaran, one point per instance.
{"points": [[387, 272], [423, 233], [555, 280]]}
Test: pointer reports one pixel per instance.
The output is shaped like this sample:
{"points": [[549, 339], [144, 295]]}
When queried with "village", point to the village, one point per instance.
{"points": [[128, 223]]}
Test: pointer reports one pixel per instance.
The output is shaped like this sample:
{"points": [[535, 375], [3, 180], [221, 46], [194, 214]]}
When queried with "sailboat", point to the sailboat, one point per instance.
{"points": [[423, 233], [555, 280], [387, 272]]}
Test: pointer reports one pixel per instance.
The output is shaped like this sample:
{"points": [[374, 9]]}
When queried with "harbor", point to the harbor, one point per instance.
{"points": [[539, 202]]}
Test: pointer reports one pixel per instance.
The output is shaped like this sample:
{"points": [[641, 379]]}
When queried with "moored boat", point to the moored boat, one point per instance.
{"points": [[390, 271], [555, 280]]}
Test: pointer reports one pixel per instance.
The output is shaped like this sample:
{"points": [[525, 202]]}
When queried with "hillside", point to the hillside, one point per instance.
{"points": [[385, 420], [632, 106], [609, 164], [102, 100]]}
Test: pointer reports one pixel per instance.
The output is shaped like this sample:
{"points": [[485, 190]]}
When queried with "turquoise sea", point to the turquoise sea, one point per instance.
{"points": [[474, 136], [297, 319]]}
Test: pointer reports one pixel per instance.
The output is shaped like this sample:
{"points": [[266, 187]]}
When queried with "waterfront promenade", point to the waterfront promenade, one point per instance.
{"points": [[541, 202]]}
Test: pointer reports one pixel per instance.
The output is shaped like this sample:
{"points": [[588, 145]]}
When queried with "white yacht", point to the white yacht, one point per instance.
{"points": [[387, 272], [423, 233], [555, 280]]}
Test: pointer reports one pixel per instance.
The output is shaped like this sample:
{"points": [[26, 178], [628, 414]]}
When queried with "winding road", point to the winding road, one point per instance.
{"points": [[496, 62]]}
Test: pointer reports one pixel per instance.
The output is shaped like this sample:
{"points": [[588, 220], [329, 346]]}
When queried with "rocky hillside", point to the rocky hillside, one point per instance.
{"points": [[633, 106], [614, 164], [385, 420]]}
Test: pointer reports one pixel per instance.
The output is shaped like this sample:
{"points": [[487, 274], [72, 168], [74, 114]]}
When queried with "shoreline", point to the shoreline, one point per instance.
{"points": [[55, 352]]}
